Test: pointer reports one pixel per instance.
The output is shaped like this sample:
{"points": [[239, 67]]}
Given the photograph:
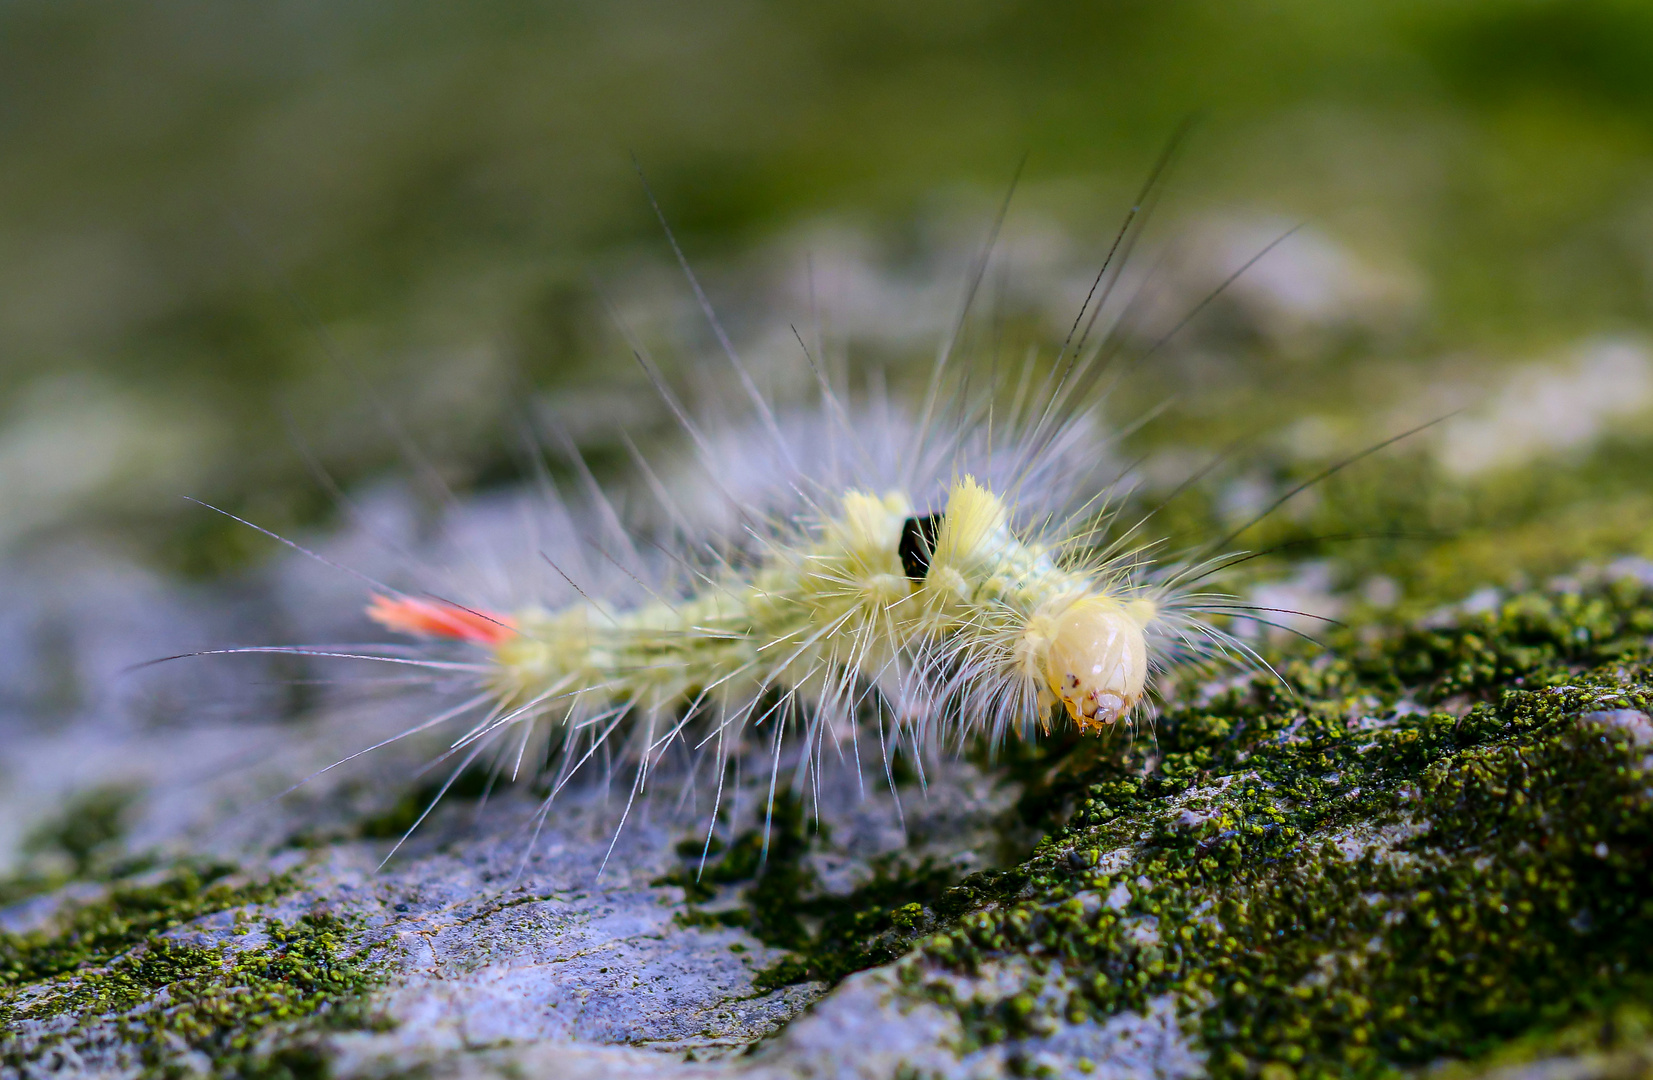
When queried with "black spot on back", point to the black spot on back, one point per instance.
{"points": [[918, 540]]}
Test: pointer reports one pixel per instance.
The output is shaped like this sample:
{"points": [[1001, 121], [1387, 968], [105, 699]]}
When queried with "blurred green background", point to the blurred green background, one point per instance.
{"points": [[230, 230]]}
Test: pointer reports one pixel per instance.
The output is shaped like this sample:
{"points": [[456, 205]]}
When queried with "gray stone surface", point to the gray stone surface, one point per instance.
{"points": [[504, 954]]}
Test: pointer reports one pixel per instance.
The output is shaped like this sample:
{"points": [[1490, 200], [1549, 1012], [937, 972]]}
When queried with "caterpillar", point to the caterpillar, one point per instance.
{"points": [[949, 605], [954, 578], [976, 603]]}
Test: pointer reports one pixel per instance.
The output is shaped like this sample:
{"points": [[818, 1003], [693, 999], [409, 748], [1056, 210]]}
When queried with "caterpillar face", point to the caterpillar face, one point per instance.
{"points": [[1092, 656], [1098, 660]]}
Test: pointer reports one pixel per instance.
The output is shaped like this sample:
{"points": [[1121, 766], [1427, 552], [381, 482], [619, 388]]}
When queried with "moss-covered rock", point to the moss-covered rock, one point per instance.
{"points": [[1422, 846], [142, 980], [1437, 849]]}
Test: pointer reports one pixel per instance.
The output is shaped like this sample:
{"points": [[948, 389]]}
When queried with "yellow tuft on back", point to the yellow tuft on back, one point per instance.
{"points": [[972, 528], [870, 527]]}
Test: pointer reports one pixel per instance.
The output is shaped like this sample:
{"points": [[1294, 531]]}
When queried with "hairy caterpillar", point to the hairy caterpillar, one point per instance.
{"points": [[942, 609], [950, 605], [942, 580]]}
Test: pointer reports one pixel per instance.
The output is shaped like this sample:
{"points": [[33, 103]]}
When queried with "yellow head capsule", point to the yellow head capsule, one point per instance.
{"points": [[1096, 658]]}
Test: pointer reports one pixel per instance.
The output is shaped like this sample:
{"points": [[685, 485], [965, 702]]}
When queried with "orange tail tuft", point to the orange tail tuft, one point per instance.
{"points": [[424, 618]]}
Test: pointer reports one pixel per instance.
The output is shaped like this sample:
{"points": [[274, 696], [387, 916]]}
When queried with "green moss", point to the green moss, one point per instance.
{"points": [[1510, 901], [782, 904], [1609, 1043], [1432, 535], [112, 979], [394, 823], [89, 825], [80, 842], [131, 915]]}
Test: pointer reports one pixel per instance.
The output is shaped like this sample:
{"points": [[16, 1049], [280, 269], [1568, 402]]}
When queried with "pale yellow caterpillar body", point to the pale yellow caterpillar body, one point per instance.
{"points": [[970, 614], [972, 622], [958, 580]]}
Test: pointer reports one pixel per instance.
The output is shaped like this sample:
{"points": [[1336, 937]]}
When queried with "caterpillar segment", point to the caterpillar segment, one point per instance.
{"points": [[947, 613]]}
